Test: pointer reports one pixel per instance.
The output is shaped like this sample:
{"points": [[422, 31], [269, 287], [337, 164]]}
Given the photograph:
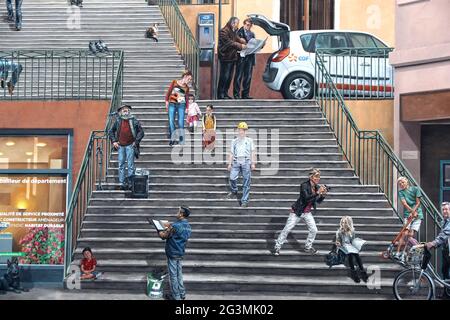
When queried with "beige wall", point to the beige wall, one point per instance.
{"points": [[234, 8], [374, 16], [374, 115]]}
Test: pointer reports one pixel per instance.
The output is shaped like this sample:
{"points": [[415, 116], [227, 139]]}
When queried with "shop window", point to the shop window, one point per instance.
{"points": [[35, 175]]}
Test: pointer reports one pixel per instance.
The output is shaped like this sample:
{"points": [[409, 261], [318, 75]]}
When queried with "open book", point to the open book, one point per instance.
{"points": [[354, 247], [158, 224]]}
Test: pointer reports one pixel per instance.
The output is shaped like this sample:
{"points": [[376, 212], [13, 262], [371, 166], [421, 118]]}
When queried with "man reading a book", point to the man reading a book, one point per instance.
{"points": [[176, 236]]}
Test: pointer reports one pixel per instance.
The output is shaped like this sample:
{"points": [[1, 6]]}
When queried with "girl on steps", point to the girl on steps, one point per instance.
{"points": [[350, 245]]}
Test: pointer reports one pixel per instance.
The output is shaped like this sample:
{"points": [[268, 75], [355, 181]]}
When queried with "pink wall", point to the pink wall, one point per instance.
{"points": [[422, 63]]}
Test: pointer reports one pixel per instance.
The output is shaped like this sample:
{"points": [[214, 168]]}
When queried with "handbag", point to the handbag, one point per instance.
{"points": [[334, 257]]}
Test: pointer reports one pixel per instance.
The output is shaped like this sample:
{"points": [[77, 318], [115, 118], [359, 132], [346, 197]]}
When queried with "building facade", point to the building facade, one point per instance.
{"points": [[422, 93]]}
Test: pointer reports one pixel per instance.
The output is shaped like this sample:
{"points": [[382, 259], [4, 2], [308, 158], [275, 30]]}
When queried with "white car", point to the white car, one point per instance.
{"points": [[291, 69]]}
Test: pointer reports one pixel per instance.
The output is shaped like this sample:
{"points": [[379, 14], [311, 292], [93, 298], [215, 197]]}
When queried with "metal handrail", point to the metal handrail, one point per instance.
{"points": [[367, 151], [60, 74], [360, 73], [183, 37], [92, 171]]}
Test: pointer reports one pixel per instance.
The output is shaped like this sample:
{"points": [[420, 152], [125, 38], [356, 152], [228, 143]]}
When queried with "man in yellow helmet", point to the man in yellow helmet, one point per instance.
{"points": [[242, 160]]}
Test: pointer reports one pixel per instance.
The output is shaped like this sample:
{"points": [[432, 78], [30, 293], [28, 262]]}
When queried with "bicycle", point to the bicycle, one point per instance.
{"points": [[418, 281]]}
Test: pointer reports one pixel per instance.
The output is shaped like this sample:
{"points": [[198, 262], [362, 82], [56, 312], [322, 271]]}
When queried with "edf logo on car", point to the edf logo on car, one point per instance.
{"points": [[303, 58]]}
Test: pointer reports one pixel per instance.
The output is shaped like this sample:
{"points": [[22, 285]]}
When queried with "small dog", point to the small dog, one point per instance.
{"points": [[11, 279], [152, 32]]}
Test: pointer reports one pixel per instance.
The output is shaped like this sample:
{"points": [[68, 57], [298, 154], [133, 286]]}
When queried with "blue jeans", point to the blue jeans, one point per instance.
{"points": [[246, 171], [9, 7], [126, 154], [6, 66], [176, 277], [176, 110]]}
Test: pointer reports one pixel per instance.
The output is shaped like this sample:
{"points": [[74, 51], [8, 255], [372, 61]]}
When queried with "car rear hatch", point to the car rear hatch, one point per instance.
{"points": [[272, 28]]}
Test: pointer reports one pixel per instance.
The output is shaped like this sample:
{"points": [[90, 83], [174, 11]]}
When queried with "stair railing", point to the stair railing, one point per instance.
{"points": [[58, 74], [367, 152], [92, 173], [183, 37]]}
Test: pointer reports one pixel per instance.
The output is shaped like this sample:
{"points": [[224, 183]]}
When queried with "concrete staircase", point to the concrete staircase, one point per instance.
{"points": [[229, 252], [149, 66]]}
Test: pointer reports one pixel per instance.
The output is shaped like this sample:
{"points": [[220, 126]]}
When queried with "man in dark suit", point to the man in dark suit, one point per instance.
{"points": [[302, 210], [244, 65], [229, 45]]}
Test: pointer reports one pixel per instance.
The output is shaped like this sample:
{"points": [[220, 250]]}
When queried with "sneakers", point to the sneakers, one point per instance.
{"points": [[276, 252], [244, 205], [124, 187], [92, 47], [98, 47], [231, 195], [311, 250]]}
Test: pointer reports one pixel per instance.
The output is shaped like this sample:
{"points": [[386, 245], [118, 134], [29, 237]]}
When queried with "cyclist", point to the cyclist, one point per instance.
{"points": [[409, 196], [443, 240]]}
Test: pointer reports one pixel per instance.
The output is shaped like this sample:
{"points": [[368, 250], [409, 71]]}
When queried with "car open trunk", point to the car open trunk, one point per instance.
{"points": [[272, 28]]}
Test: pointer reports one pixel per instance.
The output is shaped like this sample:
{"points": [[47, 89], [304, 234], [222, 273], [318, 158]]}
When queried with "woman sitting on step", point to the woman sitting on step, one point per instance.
{"points": [[350, 245]]}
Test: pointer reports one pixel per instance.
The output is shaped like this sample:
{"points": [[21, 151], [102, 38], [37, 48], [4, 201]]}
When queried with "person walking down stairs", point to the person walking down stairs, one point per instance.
{"points": [[126, 134], [242, 159], [18, 17], [177, 104], [310, 195]]}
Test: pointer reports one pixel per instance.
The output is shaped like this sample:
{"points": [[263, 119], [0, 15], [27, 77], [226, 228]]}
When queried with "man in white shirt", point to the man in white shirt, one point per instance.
{"points": [[242, 160]]}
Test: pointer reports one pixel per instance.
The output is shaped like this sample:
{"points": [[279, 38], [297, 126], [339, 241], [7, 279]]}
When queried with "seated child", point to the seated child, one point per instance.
{"points": [[88, 265], [152, 32], [209, 128], [194, 114]]}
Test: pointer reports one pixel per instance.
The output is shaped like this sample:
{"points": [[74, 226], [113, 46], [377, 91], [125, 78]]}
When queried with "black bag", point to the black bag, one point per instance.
{"points": [[335, 257]]}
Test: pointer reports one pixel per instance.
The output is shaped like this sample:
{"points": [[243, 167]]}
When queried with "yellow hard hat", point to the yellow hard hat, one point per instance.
{"points": [[243, 125]]}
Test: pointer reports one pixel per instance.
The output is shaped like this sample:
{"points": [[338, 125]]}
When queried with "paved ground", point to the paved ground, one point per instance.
{"points": [[63, 294]]}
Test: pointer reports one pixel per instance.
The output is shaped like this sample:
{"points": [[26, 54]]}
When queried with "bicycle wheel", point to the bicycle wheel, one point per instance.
{"points": [[408, 285]]}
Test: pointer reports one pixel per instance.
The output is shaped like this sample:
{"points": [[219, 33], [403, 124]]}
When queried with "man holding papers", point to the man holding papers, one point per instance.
{"points": [[176, 235]]}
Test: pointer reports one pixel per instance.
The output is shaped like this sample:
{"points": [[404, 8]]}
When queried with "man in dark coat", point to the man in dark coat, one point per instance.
{"points": [[244, 65], [229, 45], [126, 134]]}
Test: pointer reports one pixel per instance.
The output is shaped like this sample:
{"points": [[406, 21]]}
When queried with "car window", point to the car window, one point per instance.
{"points": [[379, 43], [330, 40], [360, 40], [306, 41]]}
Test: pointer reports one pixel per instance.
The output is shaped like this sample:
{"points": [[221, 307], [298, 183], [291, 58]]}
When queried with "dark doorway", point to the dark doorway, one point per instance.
{"points": [[307, 14], [435, 147]]}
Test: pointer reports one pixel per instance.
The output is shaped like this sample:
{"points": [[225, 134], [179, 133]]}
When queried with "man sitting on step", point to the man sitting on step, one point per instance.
{"points": [[310, 194], [126, 134], [7, 66]]}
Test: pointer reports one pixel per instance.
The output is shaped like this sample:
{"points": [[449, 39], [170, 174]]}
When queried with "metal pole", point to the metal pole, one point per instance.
{"points": [[216, 61]]}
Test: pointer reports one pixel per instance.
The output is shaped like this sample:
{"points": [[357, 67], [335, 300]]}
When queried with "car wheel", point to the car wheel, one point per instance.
{"points": [[299, 86]]}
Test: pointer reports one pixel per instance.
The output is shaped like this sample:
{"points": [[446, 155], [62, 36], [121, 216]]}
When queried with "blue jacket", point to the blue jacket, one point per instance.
{"points": [[176, 243]]}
